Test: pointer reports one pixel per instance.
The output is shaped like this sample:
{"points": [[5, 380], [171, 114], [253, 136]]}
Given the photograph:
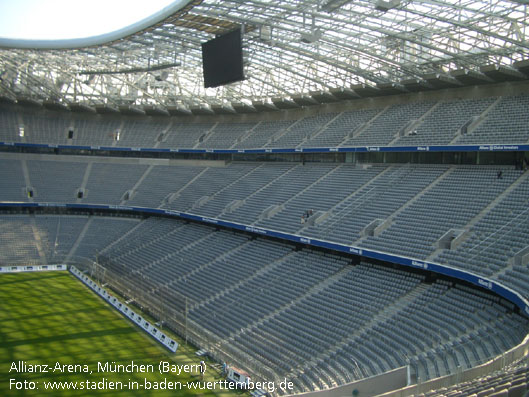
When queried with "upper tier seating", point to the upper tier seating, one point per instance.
{"points": [[262, 134], [488, 120], [447, 117], [340, 128], [226, 135], [9, 126], [300, 131], [384, 128], [184, 135], [139, 133], [506, 122]]}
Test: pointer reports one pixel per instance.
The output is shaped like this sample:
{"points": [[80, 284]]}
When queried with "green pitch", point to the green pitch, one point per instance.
{"points": [[50, 320]]}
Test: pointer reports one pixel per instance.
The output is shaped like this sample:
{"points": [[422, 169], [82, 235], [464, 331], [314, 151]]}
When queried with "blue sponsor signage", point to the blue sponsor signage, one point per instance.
{"points": [[357, 149], [480, 281]]}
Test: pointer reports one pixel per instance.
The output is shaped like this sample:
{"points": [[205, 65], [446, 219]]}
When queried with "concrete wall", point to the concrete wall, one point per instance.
{"points": [[111, 160], [496, 364], [373, 386], [394, 383]]}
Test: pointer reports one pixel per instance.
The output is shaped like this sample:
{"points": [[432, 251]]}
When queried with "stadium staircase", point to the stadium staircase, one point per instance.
{"points": [[137, 184], [170, 254], [85, 179], [244, 136], [202, 267], [359, 197], [281, 133], [173, 196], [120, 128], [79, 240], [257, 274], [498, 199], [319, 131], [38, 240], [136, 247], [26, 177], [314, 289], [248, 137], [298, 194], [20, 121], [394, 215], [205, 136], [227, 187], [163, 134], [122, 237], [362, 128], [387, 312], [476, 123], [523, 177], [335, 212], [273, 181], [414, 124]]}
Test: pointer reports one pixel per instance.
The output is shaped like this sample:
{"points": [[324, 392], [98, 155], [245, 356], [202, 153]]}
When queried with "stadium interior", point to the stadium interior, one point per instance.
{"points": [[357, 204]]}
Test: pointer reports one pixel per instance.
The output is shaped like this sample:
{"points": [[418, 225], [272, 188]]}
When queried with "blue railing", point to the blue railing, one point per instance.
{"points": [[446, 270], [352, 149]]}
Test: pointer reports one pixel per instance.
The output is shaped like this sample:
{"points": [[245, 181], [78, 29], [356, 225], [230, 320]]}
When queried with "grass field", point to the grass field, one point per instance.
{"points": [[50, 317]]}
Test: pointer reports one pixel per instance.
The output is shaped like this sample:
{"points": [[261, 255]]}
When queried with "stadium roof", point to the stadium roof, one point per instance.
{"points": [[297, 53]]}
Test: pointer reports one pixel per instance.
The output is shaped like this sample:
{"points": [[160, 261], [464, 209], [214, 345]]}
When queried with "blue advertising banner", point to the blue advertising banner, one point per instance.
{"points": [[449, 271], [356, 149]]}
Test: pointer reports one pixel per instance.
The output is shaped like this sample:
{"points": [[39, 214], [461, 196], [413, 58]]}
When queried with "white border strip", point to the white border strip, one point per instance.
{"points": [[31, 268], [145, 325]]}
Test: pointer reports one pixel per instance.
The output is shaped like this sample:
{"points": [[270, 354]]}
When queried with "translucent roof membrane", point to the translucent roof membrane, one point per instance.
{"points": [[291, 48], [56, 20]]}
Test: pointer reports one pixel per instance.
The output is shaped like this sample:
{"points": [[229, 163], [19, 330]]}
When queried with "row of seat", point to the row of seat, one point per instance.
{"points": [[490, 120], [401, 209], [311, 316]]}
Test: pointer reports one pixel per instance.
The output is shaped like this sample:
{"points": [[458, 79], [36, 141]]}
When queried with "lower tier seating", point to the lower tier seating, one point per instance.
{"points": [[316, 318]]}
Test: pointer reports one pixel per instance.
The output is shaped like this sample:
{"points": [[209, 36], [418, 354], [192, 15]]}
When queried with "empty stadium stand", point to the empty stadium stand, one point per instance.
{"points": [[319, 318], [510, 382], [399, 208], [455, 121], [315, 317]]}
